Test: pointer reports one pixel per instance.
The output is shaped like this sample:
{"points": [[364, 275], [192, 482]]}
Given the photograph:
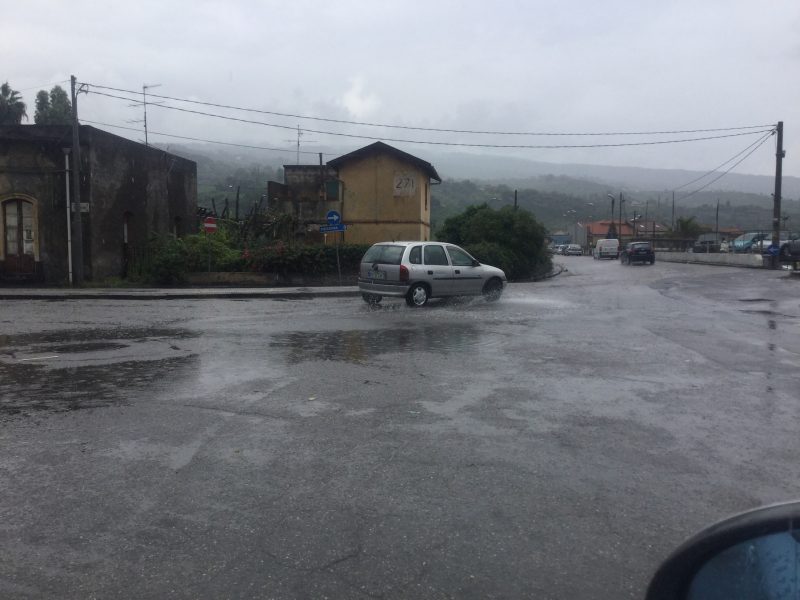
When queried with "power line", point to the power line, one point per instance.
{"points": [[736, 164], [435, 143], [759, 141], [194, 139], [434, 129]]}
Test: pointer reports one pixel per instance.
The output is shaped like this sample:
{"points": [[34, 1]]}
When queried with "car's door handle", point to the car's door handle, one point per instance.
{"points": [[458, 272], [430, 272]]}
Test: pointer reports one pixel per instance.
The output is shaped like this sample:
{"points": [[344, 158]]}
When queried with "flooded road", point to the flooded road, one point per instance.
{"points": [[558, 443]]}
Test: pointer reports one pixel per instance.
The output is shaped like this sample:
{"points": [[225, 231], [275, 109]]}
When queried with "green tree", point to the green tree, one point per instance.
{"points": [[12, 108], [53, 108], [688, 228], [510, 239]]}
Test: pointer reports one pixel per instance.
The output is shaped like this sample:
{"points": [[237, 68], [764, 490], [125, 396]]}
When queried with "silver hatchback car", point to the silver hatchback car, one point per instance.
{"points": [[418, 271]]}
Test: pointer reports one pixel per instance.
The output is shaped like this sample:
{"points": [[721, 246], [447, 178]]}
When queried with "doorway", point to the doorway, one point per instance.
{"points": [[19, 238]]}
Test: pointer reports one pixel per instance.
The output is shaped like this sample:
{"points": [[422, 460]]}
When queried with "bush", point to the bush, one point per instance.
{"points": [[167, 263], [315, 260], [509, 238]]}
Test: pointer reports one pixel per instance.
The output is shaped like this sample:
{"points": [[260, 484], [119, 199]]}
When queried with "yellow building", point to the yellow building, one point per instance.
{"points": [[385, 194]]}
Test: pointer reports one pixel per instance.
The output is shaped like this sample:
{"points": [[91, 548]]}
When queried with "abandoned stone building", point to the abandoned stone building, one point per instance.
{"points": [[128, 191]]}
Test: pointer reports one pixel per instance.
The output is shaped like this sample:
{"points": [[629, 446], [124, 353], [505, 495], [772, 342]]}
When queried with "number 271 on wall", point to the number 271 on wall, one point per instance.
{"points": [[404, 185]]}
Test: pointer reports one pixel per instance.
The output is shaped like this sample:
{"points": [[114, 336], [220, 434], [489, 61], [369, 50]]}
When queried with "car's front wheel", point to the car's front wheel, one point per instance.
{"points": [[493, 290], [417, 295]]}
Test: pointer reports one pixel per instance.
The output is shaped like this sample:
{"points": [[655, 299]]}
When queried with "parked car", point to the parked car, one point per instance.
{"points": [[708, 242], [762, 246], [747, 241], [637, 252], [574, 250], [606, 249], [418, 271]]}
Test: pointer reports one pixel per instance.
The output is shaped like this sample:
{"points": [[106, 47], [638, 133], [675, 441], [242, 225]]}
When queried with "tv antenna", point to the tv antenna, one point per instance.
{"points": [[299, 135]]}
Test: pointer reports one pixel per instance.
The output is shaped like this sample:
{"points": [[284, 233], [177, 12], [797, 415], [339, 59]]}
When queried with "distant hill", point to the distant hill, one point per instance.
{"points": [[523, 173]]}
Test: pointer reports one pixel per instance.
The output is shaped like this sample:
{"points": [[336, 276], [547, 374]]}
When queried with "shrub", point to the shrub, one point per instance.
{"points": [[507, 238]]}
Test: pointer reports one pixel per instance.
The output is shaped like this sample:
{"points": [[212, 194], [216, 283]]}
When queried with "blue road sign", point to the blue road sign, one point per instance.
{"points": [[334, 218], [330, 228]]}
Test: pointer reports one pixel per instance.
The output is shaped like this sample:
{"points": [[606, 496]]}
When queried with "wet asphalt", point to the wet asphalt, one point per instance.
{"points": [[558, 443]]}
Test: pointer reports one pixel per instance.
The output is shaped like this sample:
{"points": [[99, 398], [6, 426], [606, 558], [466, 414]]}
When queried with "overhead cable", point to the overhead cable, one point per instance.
{"points": [[439, 143], [416, 128], [194, 139], [714, 170], [736, 164]]}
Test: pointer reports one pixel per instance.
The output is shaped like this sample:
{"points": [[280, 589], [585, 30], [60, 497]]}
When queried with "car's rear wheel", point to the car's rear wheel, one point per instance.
{"points": [[371, 299], [417, 295], [493, 290]]}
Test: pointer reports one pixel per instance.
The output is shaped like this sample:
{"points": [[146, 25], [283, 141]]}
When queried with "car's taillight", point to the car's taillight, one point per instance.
{"points": [[403, 273]]}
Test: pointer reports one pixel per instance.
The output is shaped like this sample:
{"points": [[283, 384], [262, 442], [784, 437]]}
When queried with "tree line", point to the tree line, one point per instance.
{"points": [[51, 108]]}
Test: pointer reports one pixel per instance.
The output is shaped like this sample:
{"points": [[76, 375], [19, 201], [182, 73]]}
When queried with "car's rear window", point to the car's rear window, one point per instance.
{"points": [[384, 255]]}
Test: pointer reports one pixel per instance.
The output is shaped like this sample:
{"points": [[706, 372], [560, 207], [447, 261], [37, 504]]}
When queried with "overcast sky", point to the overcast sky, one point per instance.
{"points": [[528, 66]]}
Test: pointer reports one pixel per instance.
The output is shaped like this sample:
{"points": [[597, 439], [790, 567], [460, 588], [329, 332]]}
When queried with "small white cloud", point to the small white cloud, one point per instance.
{"points": [[359, 102]]}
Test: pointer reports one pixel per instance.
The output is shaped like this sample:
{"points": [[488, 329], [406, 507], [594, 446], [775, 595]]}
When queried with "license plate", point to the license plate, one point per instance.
{"points": [[376, 274]]}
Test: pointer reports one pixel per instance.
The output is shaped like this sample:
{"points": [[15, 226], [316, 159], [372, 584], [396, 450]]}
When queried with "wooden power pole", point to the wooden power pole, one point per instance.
{"points": [[77, 225], [776, 206]]}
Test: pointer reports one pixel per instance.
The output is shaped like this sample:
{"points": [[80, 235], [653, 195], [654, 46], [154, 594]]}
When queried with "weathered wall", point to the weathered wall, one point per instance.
{"points": [[374, 209], [154, 191], [300, 195]]}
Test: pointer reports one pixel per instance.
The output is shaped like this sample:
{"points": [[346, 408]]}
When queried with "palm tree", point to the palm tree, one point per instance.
{"points": [[12, 108]]}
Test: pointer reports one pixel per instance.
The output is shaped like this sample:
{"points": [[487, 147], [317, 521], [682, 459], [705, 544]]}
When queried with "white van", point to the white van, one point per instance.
{"points": [[606, 249]]}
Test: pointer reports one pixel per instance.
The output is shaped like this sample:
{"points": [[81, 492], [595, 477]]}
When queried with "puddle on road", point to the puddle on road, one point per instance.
{"points": [[85, 347], [358, 346], [89, 345], [26, 388], [75, 369]]}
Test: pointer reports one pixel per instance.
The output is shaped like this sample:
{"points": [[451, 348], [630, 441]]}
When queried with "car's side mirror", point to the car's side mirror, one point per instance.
{"points": [[753, 555], [475, 263]]}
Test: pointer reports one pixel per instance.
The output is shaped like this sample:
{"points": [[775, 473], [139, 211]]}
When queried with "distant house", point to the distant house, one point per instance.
{"points": [[128, 191], [558, 238], [381, 193], [589, 233]]}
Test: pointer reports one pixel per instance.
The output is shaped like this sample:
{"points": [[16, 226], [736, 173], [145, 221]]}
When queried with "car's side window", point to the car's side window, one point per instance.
{"points": [[434, 255], [415, 255], [458, 257]]}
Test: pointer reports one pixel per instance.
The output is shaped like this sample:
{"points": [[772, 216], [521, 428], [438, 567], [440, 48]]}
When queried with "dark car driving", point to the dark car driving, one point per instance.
{"points": [[637, 252]]}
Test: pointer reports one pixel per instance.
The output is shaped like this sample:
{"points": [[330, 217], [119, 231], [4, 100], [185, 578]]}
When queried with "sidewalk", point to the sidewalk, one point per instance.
{"points": [[13, 293]]}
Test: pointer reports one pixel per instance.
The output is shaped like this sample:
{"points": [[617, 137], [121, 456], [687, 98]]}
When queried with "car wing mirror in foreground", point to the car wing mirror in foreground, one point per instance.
{"points": [[751, 556], [476, 262]]}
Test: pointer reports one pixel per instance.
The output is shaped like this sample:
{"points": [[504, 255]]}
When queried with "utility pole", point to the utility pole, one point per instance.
{"points": [[237, 202], [144, 103], [515, 199], [776, 207], [673, 212], [621, 201], [77, 225]]}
